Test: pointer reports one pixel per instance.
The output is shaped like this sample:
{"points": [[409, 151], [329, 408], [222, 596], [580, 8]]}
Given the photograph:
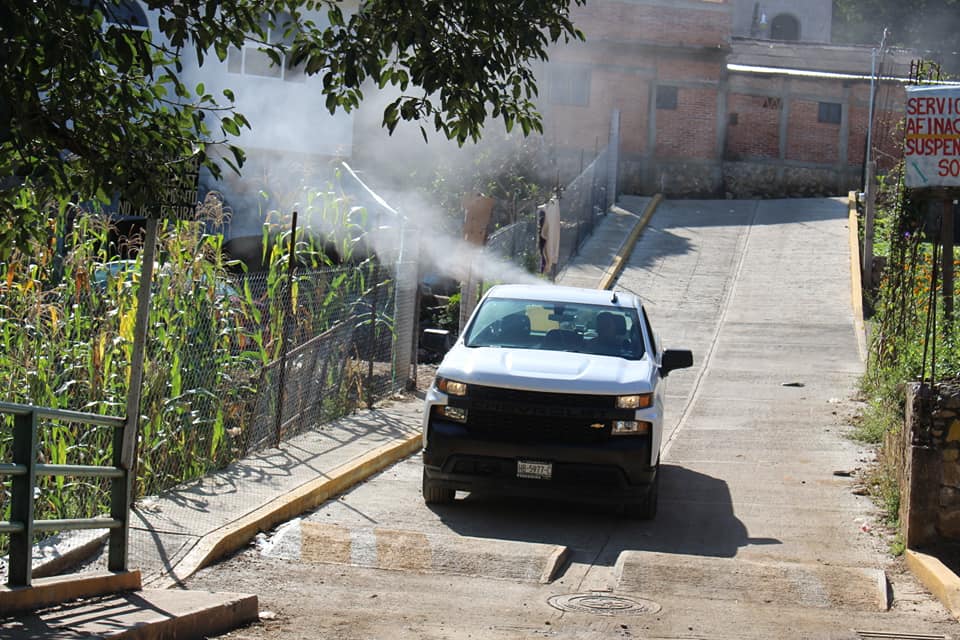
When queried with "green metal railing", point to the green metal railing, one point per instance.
{"points": [[24, 471]]}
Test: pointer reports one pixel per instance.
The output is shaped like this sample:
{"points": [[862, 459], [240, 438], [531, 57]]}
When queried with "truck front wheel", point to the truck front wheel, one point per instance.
{"points": [[432, 494], [647, 508]]}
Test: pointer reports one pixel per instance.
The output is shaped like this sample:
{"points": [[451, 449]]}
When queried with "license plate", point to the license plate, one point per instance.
{"points": [[535, 470]]}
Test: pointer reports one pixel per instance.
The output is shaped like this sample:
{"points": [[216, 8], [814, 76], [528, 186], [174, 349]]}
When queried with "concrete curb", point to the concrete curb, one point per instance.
{"points": [[936, 577], [238, 533], [856, 283], [623, 254]]}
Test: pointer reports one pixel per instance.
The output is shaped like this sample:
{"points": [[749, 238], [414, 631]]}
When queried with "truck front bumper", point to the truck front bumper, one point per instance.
{"points": [[616, 470]]}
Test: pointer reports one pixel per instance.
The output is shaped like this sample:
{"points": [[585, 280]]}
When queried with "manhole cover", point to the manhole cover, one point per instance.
{"points": [[603, 604]]}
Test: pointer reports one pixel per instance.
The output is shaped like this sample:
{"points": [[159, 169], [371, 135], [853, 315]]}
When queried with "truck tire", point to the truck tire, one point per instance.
{"points": [[647, 508], [432, 494]]}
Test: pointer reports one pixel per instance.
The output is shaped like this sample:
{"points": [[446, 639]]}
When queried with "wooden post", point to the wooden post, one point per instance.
{"points": [[946, 238]]}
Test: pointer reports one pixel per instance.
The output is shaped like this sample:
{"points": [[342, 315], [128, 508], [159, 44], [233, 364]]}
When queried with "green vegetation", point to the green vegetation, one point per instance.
{"points": [[104, 112], [911, 339], [66, 338], [916, 24]]}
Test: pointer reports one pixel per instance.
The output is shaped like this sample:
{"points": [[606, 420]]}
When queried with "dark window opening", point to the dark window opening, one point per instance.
{"points": [[666, 97], [830, 112], [734, 118], [785, 27]]}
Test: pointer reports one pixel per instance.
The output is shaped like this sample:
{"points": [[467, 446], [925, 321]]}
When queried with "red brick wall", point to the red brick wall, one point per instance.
{"points": [[633, 100], [888, 127], [680, 67], [756, 134], [809, 140], [588, 127], [688, 132], [857, 140], [624, 69], [661, 22]]}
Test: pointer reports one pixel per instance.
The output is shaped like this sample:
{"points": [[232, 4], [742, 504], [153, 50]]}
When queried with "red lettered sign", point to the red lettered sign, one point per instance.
{"points": [[932, 137]]}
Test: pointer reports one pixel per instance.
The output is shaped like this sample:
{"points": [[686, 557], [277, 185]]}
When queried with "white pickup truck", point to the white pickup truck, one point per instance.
{"points": [[551, 391]]}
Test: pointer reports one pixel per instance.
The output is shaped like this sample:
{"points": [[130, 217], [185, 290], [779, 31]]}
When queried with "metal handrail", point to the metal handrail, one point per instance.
{"points": [[24, 471]]}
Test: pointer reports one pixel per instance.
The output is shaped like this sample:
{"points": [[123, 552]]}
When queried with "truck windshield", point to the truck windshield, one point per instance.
{"points": [[557, 326]]}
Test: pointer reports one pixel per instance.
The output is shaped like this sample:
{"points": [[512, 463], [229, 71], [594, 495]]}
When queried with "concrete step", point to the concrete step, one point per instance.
{"points": [[402, 550], [762, 582], [137, 615]]}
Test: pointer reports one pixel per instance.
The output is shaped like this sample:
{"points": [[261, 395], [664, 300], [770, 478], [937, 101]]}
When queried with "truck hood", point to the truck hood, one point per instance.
{"points": [[548, 371]]}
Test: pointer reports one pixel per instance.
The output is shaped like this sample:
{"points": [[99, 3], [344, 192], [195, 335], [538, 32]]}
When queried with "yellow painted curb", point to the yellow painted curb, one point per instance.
{"points": [[620, 260], [856, 283], [936, 577], [235, 535]]}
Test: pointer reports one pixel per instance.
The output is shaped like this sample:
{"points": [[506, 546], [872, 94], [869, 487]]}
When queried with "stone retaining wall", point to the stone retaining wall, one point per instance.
{"points": [[926, 455], [734, 179]]}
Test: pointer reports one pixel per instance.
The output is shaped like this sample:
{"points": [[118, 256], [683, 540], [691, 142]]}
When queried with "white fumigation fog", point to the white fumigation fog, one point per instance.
{"points": [[277, 180]]}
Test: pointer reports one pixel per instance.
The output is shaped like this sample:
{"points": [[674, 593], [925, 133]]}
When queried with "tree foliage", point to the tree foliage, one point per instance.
{"points": [[932, 26], [92, 106]]}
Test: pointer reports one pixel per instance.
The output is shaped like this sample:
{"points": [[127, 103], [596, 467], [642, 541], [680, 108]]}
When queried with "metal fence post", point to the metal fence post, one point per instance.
{"points": [[372, 344], [405, 309], [120, 491], [20, 570], [613, 160], [285, 334]]}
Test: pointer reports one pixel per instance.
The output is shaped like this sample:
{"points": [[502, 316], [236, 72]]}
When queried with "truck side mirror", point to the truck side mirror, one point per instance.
{"points": [[675, 359]]}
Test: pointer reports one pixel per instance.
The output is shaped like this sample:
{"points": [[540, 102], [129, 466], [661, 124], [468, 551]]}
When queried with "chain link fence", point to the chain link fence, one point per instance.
{"points": [[234, 365], [582, 202]]}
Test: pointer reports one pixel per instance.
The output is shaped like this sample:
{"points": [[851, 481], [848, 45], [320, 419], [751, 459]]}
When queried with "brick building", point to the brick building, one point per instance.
{"points": [[704, 111]]}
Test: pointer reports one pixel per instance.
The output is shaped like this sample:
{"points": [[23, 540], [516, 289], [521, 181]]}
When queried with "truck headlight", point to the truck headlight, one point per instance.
{"points": [[636, 401], [451, 387], [630, 428]]}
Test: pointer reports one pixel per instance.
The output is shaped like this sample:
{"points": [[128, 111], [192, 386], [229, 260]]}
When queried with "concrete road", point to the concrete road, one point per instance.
{"points": [[759, 533]]}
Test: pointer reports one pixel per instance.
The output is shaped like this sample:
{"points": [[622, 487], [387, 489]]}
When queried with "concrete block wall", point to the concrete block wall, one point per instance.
{"points": [[809, 140], [733, 132], [753, 127], [683, 22], [688, 132]]}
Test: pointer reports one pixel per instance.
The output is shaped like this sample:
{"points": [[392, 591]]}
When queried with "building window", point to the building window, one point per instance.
{"points": [[830, 112], [785, 27], [666, 97], [569, 86], [251, 61]]}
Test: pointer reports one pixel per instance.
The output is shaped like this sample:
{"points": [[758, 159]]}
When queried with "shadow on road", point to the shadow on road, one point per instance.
{"points": [[695, 517], [667, 232]]}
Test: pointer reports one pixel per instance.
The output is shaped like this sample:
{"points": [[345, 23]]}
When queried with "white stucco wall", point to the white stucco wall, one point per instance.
{"points": [[285, 116]]}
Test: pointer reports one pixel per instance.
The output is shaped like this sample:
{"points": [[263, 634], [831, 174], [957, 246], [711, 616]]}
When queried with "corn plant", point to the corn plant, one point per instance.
{"points": [[67, 320]]}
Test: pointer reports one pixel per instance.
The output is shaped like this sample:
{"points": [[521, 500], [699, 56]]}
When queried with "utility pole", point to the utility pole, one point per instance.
{"points": [[869, 189], [869, 209]]}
